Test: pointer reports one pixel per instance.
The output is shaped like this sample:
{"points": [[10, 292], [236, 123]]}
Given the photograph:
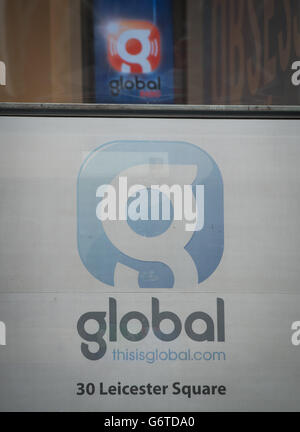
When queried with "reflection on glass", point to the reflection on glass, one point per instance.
{"points": [[150, 51]]}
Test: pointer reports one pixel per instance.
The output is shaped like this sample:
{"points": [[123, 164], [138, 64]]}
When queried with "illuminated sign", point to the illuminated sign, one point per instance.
{"points": [[133, 51], [133, 46]]}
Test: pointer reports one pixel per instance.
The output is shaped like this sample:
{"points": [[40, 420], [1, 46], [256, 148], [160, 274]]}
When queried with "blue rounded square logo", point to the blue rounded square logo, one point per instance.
{"points": [[150, 214]]}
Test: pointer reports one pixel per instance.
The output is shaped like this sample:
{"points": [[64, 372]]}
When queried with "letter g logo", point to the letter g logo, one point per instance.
{"points": [[150, 215], [133, 46]]}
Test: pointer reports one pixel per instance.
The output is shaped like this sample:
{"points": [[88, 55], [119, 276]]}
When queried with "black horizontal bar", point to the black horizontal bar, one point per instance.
{"points": [[153, 111]]}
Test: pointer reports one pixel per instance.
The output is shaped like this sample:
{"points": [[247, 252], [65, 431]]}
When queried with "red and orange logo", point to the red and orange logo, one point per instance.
{"points": [[133, 46]]}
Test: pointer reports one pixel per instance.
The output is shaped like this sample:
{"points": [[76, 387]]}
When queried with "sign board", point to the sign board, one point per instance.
{"points": [[133, 51], [149, 264]]}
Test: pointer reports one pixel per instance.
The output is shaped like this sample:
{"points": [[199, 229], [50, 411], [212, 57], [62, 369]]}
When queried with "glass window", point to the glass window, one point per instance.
{"points": [[196, 52]]}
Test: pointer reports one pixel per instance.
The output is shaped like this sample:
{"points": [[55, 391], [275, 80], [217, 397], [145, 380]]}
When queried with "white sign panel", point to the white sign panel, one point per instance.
{"points": [[149, 264]]}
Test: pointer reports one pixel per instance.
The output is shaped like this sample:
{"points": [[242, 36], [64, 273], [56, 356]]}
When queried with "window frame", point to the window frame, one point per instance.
{"points": [[151, 111]]}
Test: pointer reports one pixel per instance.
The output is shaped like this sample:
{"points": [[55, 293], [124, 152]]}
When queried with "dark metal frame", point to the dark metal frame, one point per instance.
{"points": [[151, 111], [87, 49]]}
